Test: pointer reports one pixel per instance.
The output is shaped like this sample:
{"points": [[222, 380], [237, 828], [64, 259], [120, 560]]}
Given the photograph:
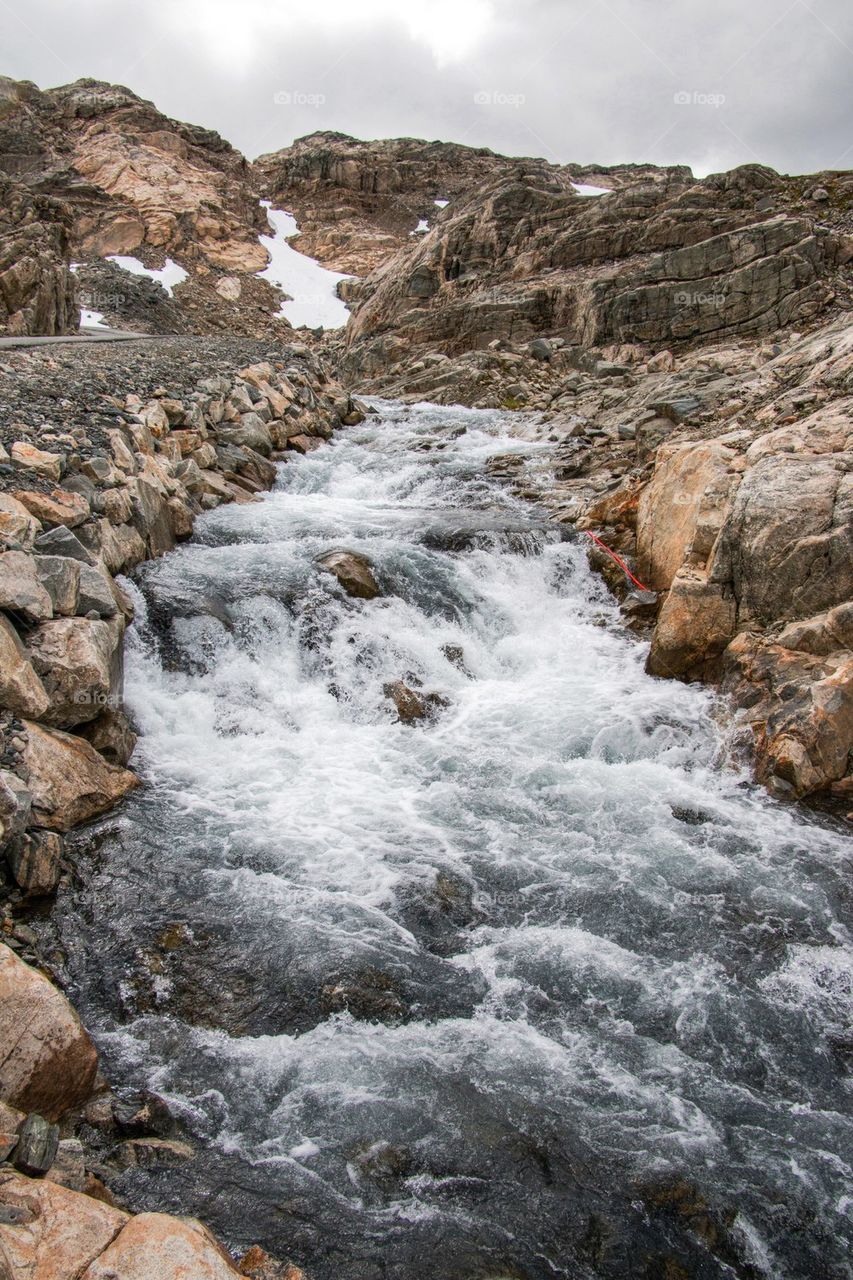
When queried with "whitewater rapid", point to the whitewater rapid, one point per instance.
{"points": [[545, 987]]}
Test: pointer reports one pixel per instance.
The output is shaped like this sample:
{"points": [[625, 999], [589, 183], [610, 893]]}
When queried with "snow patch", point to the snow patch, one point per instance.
{"points": [[441, 204], [311, 287], [422, 227], [92, 320], [168, 276], [584, 189]]}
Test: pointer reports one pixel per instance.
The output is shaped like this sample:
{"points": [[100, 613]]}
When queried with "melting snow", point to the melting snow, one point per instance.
{"points": [[92, 320], [311, 286], [584, 189], [168, 276], [423, 225], [442, 204]]}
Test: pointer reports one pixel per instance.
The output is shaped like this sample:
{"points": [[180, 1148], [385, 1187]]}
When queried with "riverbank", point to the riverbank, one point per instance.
{"points": [[105, 461]]}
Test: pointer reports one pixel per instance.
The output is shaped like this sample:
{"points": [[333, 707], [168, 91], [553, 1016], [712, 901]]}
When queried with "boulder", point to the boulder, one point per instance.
{"points": [[787, 547], [38, 1143], [800, 710], [50, 1232], [47, 1061], [154, 1246], [257, 1264], [301, 443], [696, 622], [111, 736], [412, 706], [29, 458], [57, 507], [79, 663], [353, 571], [21, 590], [69, 1165], [70, 782], [251, 432], [17, 526], [21, 690], [691, 483], [62, 542], [60, 577], [96, 593], [35, 862], [10, 1122]]}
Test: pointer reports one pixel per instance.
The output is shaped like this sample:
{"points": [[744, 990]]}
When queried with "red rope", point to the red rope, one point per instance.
{"points": [[613, 556]]}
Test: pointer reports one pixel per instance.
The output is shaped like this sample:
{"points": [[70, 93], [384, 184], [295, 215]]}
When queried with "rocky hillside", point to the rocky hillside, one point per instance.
{"points": [[663, 259], [358, 203], [137, 183]]}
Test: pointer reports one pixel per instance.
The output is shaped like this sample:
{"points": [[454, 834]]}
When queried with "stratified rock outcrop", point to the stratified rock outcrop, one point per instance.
{"points": [[663, 259], [37, 292]]}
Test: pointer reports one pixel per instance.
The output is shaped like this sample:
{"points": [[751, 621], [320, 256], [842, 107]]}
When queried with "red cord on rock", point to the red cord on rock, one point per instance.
{"points": [[613, 556]]}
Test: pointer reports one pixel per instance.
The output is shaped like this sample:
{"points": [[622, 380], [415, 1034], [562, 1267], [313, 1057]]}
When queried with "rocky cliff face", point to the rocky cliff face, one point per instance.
{"points": [[134, 178], [37, 293], [663, 259], [359, 203]]}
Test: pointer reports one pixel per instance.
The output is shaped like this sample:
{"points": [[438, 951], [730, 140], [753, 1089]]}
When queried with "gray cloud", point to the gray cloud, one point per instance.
{"points": [[711, 85]]}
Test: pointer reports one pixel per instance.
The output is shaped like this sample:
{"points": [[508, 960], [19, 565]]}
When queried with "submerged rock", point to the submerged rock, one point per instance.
{"points": [[353, 571], [412, 706]]}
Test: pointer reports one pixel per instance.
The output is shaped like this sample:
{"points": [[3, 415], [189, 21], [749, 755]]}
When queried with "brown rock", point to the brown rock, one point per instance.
{"points": [[303, 444], [153, 1246], [47, 1061], [257, 1264], [70, 782], [111, 736], [689, 480], [56, 508], [412, 706], [30, 458], [10, 1122], [35, 862], [16, 523], [353, 571], [800, 709], [696, 622], [52, 1233], [79, 663], [20, 588], [20, 688]]}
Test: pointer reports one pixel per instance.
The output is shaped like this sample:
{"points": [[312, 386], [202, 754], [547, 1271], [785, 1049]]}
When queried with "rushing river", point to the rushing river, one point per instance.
{"points": [[542, 988]]}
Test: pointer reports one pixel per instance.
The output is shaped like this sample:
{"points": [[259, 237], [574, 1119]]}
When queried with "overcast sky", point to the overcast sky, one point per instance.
{"points": [[710, 83]]}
